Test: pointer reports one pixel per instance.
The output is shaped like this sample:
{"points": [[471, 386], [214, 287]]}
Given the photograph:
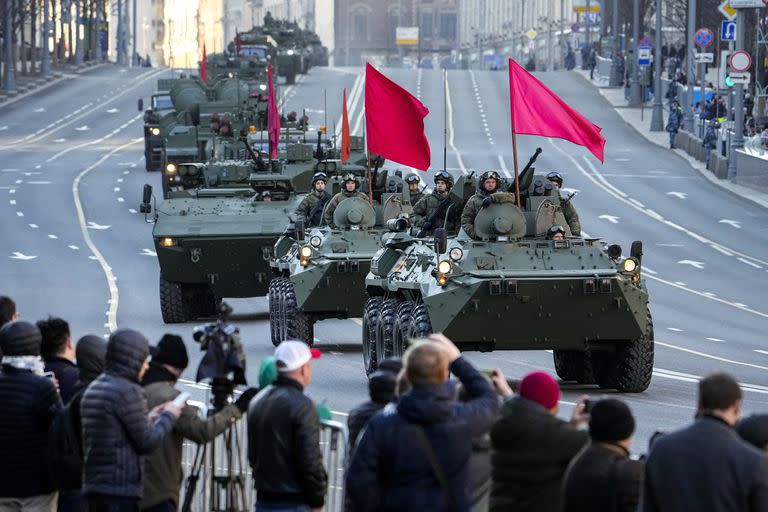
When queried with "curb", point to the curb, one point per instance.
{"points": [[732, 188], [41, 84]]}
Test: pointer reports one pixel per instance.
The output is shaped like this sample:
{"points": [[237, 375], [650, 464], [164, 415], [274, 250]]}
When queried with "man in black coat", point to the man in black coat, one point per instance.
{"points": [[706, 466], [28, 404], [415, 457], [117, 428], [532, 447], [59, 355], [381, 389], [602, 476]]}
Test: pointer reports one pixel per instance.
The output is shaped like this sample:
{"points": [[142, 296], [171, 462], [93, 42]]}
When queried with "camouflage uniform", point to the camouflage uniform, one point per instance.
{"points": [[309, 202], [571, 217], [423, 209], [415, 197], [334, 202], [475, 204]]}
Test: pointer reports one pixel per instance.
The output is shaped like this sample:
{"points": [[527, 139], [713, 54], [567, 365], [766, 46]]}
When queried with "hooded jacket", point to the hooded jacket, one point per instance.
{"points": [[116, 430]]}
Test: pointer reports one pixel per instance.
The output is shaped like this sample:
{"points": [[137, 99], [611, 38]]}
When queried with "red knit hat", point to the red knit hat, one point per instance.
{"points": [[541, 388]]}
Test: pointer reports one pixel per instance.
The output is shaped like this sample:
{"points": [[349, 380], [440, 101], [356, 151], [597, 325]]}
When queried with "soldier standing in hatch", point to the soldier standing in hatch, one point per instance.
{"points": [[310, 210], [351, 184], [425, 211], [416, 194], [487, 192], [571, 216]]}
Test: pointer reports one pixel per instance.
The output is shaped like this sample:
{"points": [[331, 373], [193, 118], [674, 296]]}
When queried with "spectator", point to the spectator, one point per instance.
{"points": [[162, 468], [674, 122], [605, 460], [532, 447], [116, 427], [415, 456], [706, 466], [59, 354], [754, 430], [381, 389], [7, 310], [28, 403], [284, 437]]}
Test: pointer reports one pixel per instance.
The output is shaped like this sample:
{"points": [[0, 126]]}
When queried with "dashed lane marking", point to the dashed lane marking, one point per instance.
{"points": [[710, 356]]}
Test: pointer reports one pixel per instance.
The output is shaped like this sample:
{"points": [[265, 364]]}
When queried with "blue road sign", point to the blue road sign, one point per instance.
{"points": [[645, 43], [727, 30], [643, 56]]}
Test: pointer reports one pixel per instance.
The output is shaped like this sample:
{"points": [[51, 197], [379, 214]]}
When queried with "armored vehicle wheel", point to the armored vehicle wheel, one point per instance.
{"points": [[574, 365], [419, 326], [298, 325], [630, 367], [281, 322], [175, 302], [400, 334], [385, 325], [274, 313], [370, 315]]}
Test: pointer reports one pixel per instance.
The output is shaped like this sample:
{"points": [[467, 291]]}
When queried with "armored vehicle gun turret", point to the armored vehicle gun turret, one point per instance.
{"points": [[512, 288]]}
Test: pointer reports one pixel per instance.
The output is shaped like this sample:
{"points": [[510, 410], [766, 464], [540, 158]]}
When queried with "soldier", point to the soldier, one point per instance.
{"points": [[266, 196], [351, 184], [413, 182], [556, 232], [486, 187], [430, 211], [310, 210], [571, 216]]}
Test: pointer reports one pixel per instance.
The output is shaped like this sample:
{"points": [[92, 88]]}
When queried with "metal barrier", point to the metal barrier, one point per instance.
{"points": [[224, 481]]}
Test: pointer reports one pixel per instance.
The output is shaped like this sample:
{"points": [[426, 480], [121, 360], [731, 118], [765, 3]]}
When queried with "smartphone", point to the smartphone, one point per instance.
{"points": [[588, 405], [49, 375], [181, 399]]}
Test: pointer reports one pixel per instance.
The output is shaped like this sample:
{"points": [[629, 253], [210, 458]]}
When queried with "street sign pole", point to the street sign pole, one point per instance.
{"points": [[737, 141], [45, 57], [691, 76], [657, 114], [635, 94]]}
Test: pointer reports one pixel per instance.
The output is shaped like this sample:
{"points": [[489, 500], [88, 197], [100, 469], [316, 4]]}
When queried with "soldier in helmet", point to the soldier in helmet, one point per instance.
{"points": [[571, 216], [351, 184], [487, 192], [413, 182], [430, 211], [310, 210], [556, 232], [266, 196]]}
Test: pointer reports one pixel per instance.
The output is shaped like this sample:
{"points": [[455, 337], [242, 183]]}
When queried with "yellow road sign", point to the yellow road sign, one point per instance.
{"points": [[727, 11]]}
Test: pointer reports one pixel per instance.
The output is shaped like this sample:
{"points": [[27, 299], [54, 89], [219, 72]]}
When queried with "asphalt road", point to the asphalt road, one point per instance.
{"points": [[71, 172]]}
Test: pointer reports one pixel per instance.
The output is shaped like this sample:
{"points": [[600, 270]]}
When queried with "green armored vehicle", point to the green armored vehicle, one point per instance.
{"points": [[320, 273], [512, 288], [160, 107]]}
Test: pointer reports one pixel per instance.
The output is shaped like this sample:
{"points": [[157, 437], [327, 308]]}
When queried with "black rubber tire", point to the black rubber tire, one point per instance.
{"points": [[419, 326], [175, 302], [298, 325], [574, 365], [400, 334], [282, 324], [274, 312], [385, 325], [629, 369], [370, 314]]}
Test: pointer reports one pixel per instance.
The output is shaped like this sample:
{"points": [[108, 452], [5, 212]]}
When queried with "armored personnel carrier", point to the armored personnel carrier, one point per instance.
{"points": [[160, 106], [320, 273], [514, 289]]}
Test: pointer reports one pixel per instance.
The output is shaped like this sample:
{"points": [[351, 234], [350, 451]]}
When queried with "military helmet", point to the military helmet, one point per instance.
{"points": [[444, 176], [266, 193], [351, 177], [319, 176], [555, 176], [490, 174], [412, 178], [557, 228]]}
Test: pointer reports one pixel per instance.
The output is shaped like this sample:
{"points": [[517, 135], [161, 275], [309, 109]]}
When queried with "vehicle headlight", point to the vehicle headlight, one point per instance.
{"points": [[630, 264], [290, 52], [456, 253], [305, 251], [263, 87], [155, 131], [315, 241], [170, 168], [444, 267], [168, 242]]}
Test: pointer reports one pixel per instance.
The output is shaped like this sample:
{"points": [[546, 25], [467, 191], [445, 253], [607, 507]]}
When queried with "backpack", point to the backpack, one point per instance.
{"points": [[65, 451]]}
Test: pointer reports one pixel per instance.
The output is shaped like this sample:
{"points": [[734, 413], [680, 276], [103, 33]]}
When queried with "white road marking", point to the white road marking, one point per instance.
{"points": [[696, 264], [622, 159], [710, 356], [19, 214], [38, 110], [39, 182], [83, 128], [3, 128], [120, 200], [21, 256], [126, 172], [680, 283], [34, 226], [716, 339], [451, 131], [113, 110], [10, 170], [74, 247], [12, 201], [761, 351], [119, 180], [734, 223], [99, 227], [721, 250], [53, 237], [679, 195], [610, 218], [92, 142], [670, 245], [687, 377], [148, 252], [131, 210], [60, 140], [675, 329], [12, 191], [747, 262], [116, 189]]}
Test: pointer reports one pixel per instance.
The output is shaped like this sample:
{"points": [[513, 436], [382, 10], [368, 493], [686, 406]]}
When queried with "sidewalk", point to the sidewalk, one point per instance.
{"points": [[632, 115], [31, 84]]}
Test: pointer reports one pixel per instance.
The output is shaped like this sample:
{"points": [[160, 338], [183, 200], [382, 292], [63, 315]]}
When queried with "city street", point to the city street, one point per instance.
{"points": [[75, 246]]}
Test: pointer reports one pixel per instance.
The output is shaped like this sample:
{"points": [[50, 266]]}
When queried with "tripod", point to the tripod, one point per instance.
{"points": [[226, 472]]}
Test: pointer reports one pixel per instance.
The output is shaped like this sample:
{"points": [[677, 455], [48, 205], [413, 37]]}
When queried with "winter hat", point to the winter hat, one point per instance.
{"points": [[541, 388], [610, 420], [171, 351], [754, 430], [381, 386], [20, 339], [267, 372], [90, 352]]}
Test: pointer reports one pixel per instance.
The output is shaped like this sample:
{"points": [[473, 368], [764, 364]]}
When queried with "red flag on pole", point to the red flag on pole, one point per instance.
{"points": [[538, 111], [394, 122], [346, 143], [203, 67], [273, 116], [237, 42]]}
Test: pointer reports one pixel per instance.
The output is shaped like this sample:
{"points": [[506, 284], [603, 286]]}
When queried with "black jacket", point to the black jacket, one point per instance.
{"points": [[705, 466], [115, 427], [390, 469], [28, 403], [67, 374], [358, 419], [284, 446], [602, 477], [531, 451]]}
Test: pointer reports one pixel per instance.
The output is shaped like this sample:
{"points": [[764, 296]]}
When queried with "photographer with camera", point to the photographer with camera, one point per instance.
{"points": [[162, 468]]}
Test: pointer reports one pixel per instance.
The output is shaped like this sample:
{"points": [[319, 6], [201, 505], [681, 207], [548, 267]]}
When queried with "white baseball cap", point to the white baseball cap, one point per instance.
{"points": [[291, 355]]}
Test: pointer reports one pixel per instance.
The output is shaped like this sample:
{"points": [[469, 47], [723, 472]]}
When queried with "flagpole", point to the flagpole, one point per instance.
{"points": [[368, 160], [514, 137], [445, 120]]}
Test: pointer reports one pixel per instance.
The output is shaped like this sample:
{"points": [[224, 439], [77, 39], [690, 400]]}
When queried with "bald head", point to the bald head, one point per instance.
{"points": [[426, 363]]}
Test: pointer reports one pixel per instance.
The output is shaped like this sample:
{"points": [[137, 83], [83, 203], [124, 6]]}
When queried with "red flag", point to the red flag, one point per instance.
{"points": [[538, 111], [203, 66], [273, 117], [237, 42], [394, 122], [346, 143]]}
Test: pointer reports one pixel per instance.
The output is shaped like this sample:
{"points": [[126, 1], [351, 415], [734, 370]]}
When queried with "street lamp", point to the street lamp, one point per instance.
{"points": [[657, 115]]}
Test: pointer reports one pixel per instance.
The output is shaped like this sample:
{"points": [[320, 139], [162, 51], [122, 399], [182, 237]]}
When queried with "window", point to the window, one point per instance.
{"points": [[426, 25], [448, 26], [360, 24]]}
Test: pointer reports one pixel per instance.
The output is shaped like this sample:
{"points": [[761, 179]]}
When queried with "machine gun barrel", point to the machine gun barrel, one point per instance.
{"points": [[530, 162], [256, 159]]}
